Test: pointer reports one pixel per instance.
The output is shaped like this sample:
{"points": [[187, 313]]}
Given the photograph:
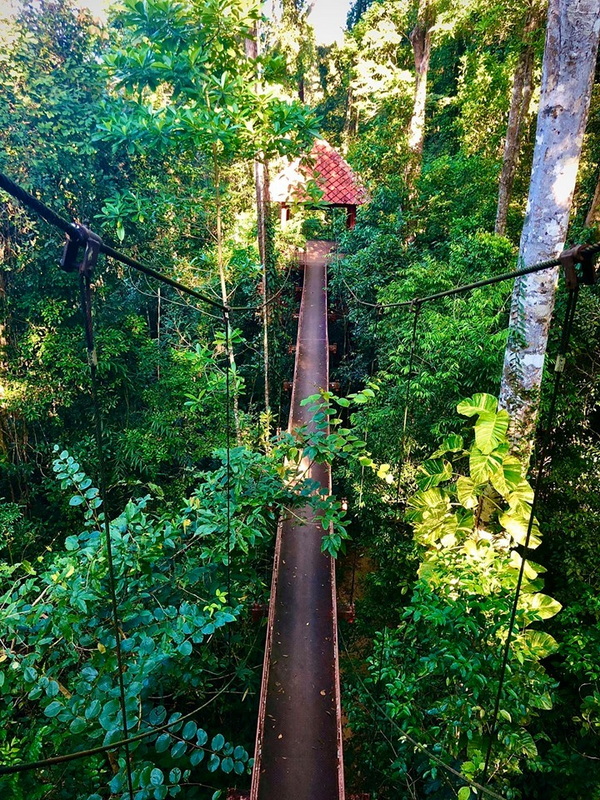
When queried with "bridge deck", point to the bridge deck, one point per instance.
{"points": [[299, 747]]}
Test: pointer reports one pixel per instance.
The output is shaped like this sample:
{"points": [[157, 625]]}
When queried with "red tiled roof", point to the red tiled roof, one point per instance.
{"points": [[331, 173]]}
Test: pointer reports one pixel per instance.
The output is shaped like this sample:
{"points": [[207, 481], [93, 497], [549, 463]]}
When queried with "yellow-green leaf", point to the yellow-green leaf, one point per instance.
{"points": [[517, 527], [476, 404], [483, 465], [466, 491], [490, 430]]}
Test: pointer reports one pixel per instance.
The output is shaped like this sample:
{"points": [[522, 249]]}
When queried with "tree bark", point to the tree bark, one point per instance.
{"points": [[567, 77], [519, 106], [420, 38]]}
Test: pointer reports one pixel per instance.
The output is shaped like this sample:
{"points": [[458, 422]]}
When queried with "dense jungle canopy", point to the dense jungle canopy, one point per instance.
{"points": [[474, 128]]}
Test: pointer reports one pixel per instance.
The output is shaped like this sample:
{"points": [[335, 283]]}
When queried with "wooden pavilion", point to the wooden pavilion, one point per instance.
{"points": [[332, 174]]}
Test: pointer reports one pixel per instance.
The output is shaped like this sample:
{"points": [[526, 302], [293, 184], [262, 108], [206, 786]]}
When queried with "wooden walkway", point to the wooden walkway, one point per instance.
{"points": [[299, 741]]}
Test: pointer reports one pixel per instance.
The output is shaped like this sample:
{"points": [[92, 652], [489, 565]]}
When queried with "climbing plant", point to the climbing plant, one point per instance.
{"points": [[436, 674]]}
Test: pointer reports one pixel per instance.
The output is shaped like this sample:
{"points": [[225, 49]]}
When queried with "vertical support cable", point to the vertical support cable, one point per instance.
{"points": [[416, 309], [86, 307], [558, 375], [228, 447]]}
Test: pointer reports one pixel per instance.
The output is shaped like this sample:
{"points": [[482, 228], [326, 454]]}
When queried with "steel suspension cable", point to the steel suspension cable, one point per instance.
{"points": [[105, 748], [86, 307], [567, 329], [228, 447], [74, 231], [584, 253], [76, 234]]}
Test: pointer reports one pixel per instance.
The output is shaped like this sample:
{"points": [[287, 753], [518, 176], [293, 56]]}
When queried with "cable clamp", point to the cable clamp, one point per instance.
{"points": [[561, 362], [70, 255], [578, 255]]}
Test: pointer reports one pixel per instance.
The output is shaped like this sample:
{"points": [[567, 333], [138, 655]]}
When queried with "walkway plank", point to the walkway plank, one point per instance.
{"points": [[299, 746]]}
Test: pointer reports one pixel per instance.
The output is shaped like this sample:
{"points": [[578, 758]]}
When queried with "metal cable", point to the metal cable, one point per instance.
{"points": [[86, 307], [558, 375], [228, 450], [584, 252], [105, 748], [74, 232]]}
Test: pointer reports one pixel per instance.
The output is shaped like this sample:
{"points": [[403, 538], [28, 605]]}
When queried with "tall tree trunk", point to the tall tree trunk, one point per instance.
{"points": [[567, 78], [224, 298], [261, 177], [265, 246], [519, 106], [351, 121], [420, 38]]}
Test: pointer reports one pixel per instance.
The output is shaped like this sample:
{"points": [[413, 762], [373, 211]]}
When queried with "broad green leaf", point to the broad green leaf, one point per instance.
{"points": [[78, 725], [464, 793], [483, 465], [185, 648], [217, 742], [518, 526], [466, 490], [189, 729], [538, 644], [451, 444], [213, 763], [520, 499], [490, 430], [178, 749], [432, 472], [543, 701], [201, 737], [513, 473], [477, 404], [157, 777], [53, 709], [240, 753], [542, 605], [227, 765]]}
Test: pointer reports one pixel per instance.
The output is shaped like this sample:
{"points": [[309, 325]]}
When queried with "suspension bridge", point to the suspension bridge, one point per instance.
{"points": [[299, 733]]}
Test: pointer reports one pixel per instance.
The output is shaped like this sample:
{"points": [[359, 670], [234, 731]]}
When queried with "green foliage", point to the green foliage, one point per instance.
{"points": [[59, 659], [437, 672], [183, 75]]}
